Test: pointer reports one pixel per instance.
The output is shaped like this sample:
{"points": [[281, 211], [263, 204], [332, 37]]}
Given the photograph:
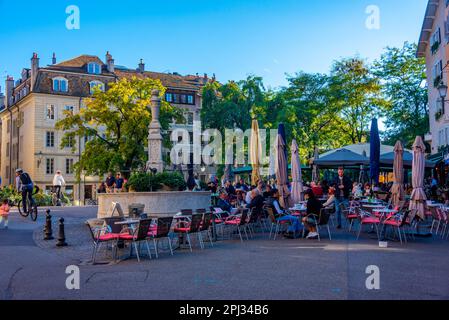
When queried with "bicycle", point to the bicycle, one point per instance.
{"points": [[31, 209], [55, 200]]}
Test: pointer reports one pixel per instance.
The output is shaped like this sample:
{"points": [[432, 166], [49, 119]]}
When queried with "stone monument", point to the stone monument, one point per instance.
{"points": [[155, 136]]}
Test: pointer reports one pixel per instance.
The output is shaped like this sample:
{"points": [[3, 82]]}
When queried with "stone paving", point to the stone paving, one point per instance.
{"points": [[256, 269]]}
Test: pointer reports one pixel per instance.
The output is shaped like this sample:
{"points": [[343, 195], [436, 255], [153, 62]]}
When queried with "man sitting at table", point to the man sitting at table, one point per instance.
{"points": [[281, 215], [330, 203], [223, 204], [257, 202]]}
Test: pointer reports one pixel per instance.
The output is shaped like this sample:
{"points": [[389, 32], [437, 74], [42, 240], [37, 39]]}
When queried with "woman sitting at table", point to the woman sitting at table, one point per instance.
{"points": [[313, 214], [329, 204]]}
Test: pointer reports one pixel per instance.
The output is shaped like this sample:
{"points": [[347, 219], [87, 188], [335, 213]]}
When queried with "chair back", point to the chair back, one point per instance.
{"points": [[94, 225], [114, 228], [163, 227], [253, 216], [186, 212], [207, 220], [143, 229], [196, 222], [243, 218], [324, 217], [270, 213]]}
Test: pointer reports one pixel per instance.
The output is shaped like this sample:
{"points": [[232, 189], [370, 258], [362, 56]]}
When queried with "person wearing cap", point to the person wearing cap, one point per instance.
{"points": [[24, 185], [58, 183]]}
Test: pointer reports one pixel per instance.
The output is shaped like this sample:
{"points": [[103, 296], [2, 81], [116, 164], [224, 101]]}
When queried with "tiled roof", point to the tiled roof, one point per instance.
{"points": [[79, 61], [168, 80]]}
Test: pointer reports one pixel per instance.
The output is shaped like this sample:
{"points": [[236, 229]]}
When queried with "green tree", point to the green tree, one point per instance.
{"points": [[403, 77], [115, 124], [355, 91]]}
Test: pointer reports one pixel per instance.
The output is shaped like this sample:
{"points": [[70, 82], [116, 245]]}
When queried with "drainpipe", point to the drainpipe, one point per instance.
{"points": [[79, 157], [18, 134], [10, 146]]}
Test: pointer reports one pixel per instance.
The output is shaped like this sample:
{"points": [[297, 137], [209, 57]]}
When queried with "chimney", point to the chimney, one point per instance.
{"points": [[141, 66], [110, 62], [9, 89], [34, 70], [2, 97], [53, 59]]}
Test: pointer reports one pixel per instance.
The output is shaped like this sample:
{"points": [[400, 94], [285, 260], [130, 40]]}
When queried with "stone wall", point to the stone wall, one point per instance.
{"points": [[156, 203]]}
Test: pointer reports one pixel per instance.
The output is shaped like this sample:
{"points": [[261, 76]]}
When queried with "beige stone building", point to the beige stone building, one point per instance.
{"points": [[36, 101], [433, 46]]}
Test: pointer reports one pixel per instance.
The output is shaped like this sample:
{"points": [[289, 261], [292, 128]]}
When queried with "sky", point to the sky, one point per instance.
{"points": [[229, 38]]}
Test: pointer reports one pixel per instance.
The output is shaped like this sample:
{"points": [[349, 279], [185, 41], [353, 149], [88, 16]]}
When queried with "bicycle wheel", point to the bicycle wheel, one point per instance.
{"points": [[33, 213], [23, 214], [54, 200]]}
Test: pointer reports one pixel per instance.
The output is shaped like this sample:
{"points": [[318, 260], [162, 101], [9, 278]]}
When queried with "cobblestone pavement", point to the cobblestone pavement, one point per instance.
{"points": [[255, 269]]}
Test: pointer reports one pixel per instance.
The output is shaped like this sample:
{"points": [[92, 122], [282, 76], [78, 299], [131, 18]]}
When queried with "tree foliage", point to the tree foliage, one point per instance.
{"points": [[114, 125], [403, 85]]}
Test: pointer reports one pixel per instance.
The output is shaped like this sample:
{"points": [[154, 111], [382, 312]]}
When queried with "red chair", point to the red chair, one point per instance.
{"points": [[187, 228], [397, 222], [238, 222], [365, 219], [161, 231], [140, 234], [102, 233]]}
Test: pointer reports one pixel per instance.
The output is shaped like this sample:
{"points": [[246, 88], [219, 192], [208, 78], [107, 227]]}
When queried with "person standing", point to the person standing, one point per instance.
{"points": [[343, 186], [58, 183], [119, 183], [4, 213], [110, 182]]}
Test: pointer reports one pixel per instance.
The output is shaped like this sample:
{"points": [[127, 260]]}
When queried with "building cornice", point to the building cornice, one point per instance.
{"points": [[427, 27]]}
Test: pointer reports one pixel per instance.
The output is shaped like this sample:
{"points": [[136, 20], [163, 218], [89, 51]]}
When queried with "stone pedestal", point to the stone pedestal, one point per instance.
{"points": [[155, 137]]}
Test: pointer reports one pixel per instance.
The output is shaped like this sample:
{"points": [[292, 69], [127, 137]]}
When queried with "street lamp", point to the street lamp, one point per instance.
{"points": [[442, 90], [39, 158]]}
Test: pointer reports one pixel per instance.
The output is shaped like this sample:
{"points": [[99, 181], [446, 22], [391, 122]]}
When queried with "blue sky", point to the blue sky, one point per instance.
{"points": [[229, 38]]}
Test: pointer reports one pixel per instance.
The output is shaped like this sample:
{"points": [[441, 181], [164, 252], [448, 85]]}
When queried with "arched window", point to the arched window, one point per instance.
{"points": [[96, 84], [93, 68], [60, 85]]}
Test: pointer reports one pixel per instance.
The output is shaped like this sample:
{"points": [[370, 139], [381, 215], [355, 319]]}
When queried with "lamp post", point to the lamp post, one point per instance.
{"points": [[442, 90]]}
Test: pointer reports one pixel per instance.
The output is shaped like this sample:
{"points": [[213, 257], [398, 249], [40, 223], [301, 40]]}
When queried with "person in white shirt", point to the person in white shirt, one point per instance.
{"points": [[58, 183]]}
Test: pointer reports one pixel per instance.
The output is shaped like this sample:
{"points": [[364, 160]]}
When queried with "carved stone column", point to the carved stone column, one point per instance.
{"points": [[155, 137]]}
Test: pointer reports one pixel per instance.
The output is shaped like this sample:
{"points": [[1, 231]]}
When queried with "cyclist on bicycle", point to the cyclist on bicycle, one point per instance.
{"points": [[25, 185], [58, 183]]}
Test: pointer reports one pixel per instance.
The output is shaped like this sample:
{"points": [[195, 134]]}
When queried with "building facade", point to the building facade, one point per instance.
{"points": [[433, 46], [35, 102]]}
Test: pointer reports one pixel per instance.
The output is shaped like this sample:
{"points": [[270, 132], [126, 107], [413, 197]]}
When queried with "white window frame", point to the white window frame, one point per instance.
{"points": [[47, 135], [96, 68], [94, 84], [50, 163], [49, 113], [59, 81]]}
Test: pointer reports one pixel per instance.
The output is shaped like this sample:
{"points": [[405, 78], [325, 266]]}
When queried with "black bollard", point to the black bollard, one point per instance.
{"points": [[48, 229], [61, 236]]}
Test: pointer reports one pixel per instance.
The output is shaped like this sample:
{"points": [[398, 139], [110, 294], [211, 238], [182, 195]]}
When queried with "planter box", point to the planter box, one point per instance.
{"points": [[156, 203]]}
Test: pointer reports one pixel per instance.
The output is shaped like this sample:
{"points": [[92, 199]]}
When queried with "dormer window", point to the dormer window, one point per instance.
{"points": [[96, 84], [94, 68], [60, 85]]}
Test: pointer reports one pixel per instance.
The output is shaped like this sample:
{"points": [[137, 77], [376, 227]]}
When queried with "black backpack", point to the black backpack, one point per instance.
{"points": [[25, 179]]}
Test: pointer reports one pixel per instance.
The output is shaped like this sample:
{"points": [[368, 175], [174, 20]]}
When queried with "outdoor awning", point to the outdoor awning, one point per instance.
{"points": [[342, 157], [388, 159], [249, 169]]}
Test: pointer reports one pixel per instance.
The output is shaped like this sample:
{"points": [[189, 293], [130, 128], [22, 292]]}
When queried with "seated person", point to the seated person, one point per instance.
{"points": [[330, 203], [223, 203], [281, 215], [242, 185], [267, 192], [273, 202], [313, 214], [317, 190], [257, 202], [248, 196], [230, 190]]}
